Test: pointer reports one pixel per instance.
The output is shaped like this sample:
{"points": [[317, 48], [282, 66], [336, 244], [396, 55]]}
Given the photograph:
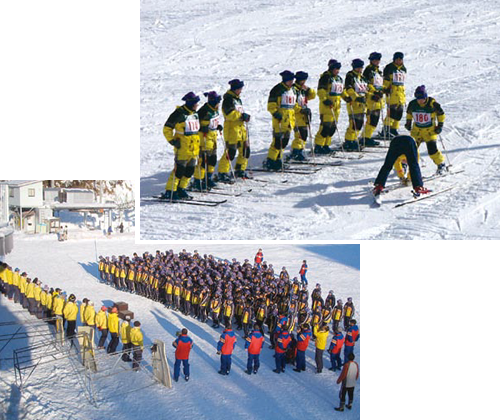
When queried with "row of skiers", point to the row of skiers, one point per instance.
{"points": [[288, 349], [366, 91], [53, 306]]}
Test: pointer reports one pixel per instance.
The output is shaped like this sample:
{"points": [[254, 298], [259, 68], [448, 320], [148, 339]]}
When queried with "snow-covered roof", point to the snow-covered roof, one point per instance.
{"points": [[20, 183]]}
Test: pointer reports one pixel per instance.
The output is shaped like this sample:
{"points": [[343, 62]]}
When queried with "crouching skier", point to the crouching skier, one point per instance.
{"points": [[181, 131]]}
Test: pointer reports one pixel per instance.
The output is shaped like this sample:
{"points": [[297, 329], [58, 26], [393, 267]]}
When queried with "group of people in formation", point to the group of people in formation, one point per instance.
{"points": [[51, 304], [366, 91], [248, 296]]}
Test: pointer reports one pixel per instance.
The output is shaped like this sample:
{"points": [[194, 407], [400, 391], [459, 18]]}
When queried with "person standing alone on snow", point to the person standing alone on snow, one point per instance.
{"points": [[348, 378], [303, 272], [258, 258]]}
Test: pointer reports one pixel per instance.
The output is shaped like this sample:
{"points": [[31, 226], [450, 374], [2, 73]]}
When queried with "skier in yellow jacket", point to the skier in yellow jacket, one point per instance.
{"points": [[101, 322], [181, 131], [394, 88], [330, 90], [235, 134], [210, 127], [125, 337], [136, 338], [356, 88], [428, 120], [70, 313], [282, 105], [89, 316], [321, 334], [374, 98], [302, 115], [114, 329]]}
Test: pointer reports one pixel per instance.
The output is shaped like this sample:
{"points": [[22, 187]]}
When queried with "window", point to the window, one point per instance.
{"points": [[11, 192], [31, 192]]}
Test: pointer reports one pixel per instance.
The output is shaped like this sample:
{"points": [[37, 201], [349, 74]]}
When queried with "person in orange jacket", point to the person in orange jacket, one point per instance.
{"points": [[282, 344], [348, 378], [225, 348], [254, 344]]}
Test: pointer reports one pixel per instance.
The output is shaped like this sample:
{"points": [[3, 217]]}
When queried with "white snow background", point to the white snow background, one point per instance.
{"points": [[53, 391], [450, 46]]}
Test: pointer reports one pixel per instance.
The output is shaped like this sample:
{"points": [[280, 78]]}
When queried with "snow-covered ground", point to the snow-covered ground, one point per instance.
{"points": [[450, 46], [53, 391]]}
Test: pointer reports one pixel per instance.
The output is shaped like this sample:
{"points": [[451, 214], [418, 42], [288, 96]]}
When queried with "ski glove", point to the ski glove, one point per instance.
{"points": [[377, 96], [361, 99], [327, 102], [439, 128], [176, 143], [245, 117], [408, 125], [278, 116], [220, 128]]}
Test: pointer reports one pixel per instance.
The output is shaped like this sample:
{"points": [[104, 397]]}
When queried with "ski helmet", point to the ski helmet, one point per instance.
{"points": [[420, 92], [334, 64], [287, 75], [301, 75], [357, 63], [398, 55], [236, 84], [375, 56]]}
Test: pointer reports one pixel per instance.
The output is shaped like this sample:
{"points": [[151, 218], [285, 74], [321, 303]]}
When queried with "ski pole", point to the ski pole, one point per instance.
{"points": [[355, 127], [338, 134], [444, 149]]}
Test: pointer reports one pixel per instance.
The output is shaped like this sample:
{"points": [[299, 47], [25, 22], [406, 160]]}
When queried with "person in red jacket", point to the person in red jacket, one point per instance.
{"points": [[348, 378], [254, 344], [259, 257], [281, 346], [335, 349], [303, 336], [225, 348], [303, 272], [352, 335], [183, 345]]}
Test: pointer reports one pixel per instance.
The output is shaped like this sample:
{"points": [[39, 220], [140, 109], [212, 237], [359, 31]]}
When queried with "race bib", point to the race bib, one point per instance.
{"points": [[214, 123], [288, 99], [239, 108], [192, 125], [422, 119], [398, 78], [360, 86], [378, 81], [301, 100], [337, 88]]}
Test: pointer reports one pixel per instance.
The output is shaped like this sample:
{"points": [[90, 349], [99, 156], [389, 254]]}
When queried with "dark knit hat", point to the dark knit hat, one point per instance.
{"points": [[191, 98], [236, 84], [398, 55], [301, 75], [287, 75], [334, 64], [420, 92], [357, 63], [213, 97], [375, 56]]}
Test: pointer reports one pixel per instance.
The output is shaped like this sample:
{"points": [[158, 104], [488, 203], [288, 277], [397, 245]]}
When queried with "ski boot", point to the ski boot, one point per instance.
{"points": [[298, 155], [210, 183], [350, 146], [226, 178], [318, 150], [183, 195], [327, 150], [418, 191], [441, 169], [349, 406], [341, 408], [242, 174], [386, 133], [369, 142], [273, 165], [169, 195], [393, 132], [198, 185], [377, 190]]}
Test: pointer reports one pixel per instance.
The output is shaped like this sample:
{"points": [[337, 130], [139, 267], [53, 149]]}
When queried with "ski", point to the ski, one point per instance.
{"points": [[423, 197], [286, 171], [377, 199], [308, 162], [218, 192], [206, 203], [425, 179]]}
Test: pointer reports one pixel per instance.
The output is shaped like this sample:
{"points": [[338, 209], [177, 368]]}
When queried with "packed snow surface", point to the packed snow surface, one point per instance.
{"points": [[449, 46], [53, 392]]}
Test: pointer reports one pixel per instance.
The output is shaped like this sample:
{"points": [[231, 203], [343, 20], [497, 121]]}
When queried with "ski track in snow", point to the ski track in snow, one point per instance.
{"points": [[54, 388], [449, 46]]}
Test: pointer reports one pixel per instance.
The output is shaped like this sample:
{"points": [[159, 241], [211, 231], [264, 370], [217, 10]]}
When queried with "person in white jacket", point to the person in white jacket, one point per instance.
{"points": [[348, 378]]}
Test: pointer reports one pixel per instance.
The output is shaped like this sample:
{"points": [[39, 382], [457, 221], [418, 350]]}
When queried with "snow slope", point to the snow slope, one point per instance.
{"points": [[54, 393], [450, 46]]}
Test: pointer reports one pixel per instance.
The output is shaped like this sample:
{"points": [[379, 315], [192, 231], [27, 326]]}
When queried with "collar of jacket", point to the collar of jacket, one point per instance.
{"points": [[233, 94], [190, 111]]}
